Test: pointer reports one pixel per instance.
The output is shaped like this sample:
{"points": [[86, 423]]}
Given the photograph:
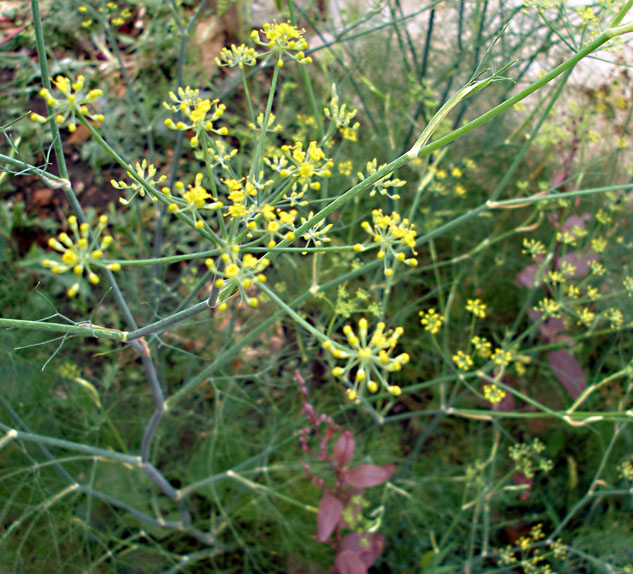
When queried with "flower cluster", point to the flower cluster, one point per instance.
{"points": [[270, 126], [73, 102], [237, 274], [528, 458], [116, 15], [282, 39], [239, 193], [341, 117], [482, 346], [302, 166], [279, 224], [368, 358], [80, 252], [530, 555], [431, 320], [390, 232], [237, 56], [384, 184], [476, 307], [144, 171], [201, 113], [625, 469], [494, 394], [445, 181], [193, 198], [463, 361], [317, 234]]}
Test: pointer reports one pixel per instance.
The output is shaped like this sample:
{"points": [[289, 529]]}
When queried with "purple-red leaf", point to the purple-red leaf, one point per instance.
{"points": [[343, 449], [528, 276], [367, 546], [581, 264], [348, 562], [568, 371], [550, 328], [330, 511], [368, 475], [574, 221]]}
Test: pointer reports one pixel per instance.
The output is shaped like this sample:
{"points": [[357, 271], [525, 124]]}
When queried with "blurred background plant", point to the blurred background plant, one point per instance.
{"points": [[510, 438]]}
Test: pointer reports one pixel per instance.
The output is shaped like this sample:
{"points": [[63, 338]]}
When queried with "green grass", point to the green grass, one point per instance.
{"points": [[179, 451]]}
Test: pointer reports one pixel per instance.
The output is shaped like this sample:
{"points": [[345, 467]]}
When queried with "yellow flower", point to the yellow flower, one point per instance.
{"points": [[586, 317], [614, 316], [501, 357], [345, 167], [548, 307], [80, 252], [193, 199], [383, 185], [494, 394], [476, 307], [74, 102], [431, 320], [483, 347], [302, 167], [368, 357], [282, 39], [201, 113], [533, 247], [237, 56], [143, 170], [342, 117], [235, 273], [463, 361], [390, 232]]}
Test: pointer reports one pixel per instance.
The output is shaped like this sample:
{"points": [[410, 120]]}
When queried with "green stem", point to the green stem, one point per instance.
{"points": [[316, 112], [622, 13], [254, 171], [68, 445], [290, 311], [59, 153], [521, 201], [87, 330], [247, 95], [502, 107], [164, 323]]}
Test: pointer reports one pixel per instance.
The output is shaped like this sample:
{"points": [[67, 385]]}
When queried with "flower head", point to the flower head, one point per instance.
{"points": [[431, 320], [144, 171], [341, 117], [483, 347], [201, 113], [237, 56], [282, 39], [237, 274], [383, 185], [463, 361], [276, 223], [317, 234], [193, 199], [476, 307], [302, 166], [389, 233], [368, 358], [80, 252], [72, 100], [494, 394]]}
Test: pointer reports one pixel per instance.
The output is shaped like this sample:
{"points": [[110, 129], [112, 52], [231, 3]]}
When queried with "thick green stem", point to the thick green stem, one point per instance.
{"points": [[85, 330], [59, 154]]}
